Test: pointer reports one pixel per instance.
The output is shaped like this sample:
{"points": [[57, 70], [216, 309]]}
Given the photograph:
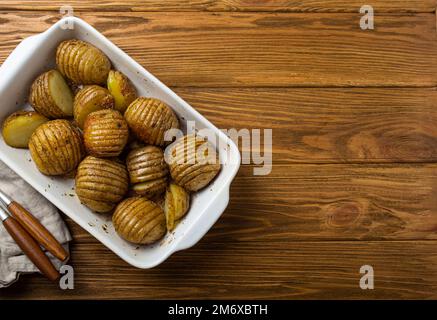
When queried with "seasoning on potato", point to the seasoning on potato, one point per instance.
{"points": [[19, 126], [145, 205], [105, 133], [56, 147], [139, 220], [193, 162], [176, 204], [147, 171], [101, 183], [121, 89], [89, 99], [51, 96], [82, 62], [149, 119]]}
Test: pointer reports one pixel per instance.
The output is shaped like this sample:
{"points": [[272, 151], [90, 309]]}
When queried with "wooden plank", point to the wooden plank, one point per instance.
{"points": [[359, 125], [204, 49], [327, 202], [287, 235], [240, 270], [380, 6]]}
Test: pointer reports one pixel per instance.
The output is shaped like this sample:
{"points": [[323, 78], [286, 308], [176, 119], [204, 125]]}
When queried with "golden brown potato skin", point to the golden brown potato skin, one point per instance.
{"points": [[121, 89], [41, 99], [190, 167], [176, 204], [82, 62], [149, 119], [56, 147], [89, 99], [19, 126], [105, 133], [147, 171], [139, 220], [101, 183]]}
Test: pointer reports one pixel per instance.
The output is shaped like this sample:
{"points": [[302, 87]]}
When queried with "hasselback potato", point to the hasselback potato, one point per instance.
{"points": [[121, 89], [51, 96], [149, 119], [82, 62], [89, 99], [19, 126], [56, 147], [176, 204], [101, 183], [147, 170], [148, 191], [105, 133], [193, 162], [139, 220]]}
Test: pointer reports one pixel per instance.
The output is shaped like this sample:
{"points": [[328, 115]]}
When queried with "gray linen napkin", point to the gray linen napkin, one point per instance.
{"points": [[12, 260]]}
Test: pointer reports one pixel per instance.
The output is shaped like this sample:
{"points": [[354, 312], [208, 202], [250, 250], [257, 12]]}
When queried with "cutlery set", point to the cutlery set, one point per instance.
{"points": [[30, 234]]}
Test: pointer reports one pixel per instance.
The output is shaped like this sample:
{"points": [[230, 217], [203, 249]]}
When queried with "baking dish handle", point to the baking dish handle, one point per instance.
{"points": [[201, 227]]}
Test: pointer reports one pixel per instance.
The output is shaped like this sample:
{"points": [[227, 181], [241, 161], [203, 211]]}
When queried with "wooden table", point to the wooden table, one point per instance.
{"points": [[354, 119]]}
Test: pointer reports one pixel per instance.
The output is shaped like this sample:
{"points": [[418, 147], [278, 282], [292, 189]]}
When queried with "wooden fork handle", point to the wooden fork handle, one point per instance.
{"points": [[37, 231], [31, 248]]}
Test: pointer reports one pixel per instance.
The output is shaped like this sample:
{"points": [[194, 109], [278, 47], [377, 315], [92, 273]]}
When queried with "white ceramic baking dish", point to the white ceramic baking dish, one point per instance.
{"points": [[37, 54]]}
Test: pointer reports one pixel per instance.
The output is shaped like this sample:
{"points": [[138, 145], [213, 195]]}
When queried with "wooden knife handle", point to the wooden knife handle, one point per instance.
{"points": [[37, 231], [31, 248]]}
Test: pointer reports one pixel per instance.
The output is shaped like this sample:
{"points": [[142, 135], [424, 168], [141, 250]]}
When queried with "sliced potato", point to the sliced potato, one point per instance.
{"points": [[121, 89], [176, 204], [131, 144], [139, 220], [149, 119], [193, 162], [147, 171], [82, 62], [101, 183], [19, 126], [89, 99], [105, 133], [51, 96], [56, 147], [149, 189]]}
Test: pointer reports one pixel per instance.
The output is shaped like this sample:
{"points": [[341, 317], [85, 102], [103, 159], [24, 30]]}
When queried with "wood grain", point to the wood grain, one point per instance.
{"points": [[328, 202], [319, 125], [201, 49], [355, 174], [271, 270], [307, 6]]}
